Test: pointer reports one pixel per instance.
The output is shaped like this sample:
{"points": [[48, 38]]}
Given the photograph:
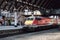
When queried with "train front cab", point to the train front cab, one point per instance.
{"points": [[29, 21], [38, 21]]}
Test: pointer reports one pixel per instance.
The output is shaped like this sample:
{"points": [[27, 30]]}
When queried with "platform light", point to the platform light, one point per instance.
{"points": [[37, 12], [6, 2], [51, 17], [47, 11], [19, 0], [26, 11]]}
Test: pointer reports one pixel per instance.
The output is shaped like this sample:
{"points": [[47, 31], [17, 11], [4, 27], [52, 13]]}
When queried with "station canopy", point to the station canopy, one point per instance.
{"points": [[20, 5]]}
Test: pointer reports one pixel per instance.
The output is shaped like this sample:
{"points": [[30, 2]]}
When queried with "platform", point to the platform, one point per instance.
{"points": [[10, 27]]}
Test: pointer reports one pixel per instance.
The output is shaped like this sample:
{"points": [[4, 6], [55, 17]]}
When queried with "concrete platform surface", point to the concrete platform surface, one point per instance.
{"points": [[10, 27], [52, 34]]}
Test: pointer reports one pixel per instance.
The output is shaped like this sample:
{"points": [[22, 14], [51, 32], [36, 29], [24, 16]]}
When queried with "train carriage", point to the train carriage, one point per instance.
{"points": [[38, 21]]}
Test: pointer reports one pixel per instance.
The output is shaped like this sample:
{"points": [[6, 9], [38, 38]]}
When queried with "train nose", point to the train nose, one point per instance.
{"points": [[28, 22]]}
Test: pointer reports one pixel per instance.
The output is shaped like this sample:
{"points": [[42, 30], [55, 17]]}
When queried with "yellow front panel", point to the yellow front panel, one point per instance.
{"points": [[28, 22]]}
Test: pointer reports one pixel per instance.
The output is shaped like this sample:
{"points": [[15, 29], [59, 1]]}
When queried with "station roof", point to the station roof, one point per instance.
{"points": [[30, 4]]}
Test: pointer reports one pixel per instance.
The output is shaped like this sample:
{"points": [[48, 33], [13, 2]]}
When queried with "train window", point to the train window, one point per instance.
{"points": [[38, 18], [29, 19]]}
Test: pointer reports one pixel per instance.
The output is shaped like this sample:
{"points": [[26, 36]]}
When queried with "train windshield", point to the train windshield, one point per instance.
{"points": [[38, 18], [29, 18]]}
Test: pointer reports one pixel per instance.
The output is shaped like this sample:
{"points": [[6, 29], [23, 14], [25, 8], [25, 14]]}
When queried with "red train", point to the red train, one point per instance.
{"points": [[40, 21]]}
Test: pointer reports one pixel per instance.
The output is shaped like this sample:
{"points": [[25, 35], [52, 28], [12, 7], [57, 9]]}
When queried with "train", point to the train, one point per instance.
{"points": [[41, 21]]}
